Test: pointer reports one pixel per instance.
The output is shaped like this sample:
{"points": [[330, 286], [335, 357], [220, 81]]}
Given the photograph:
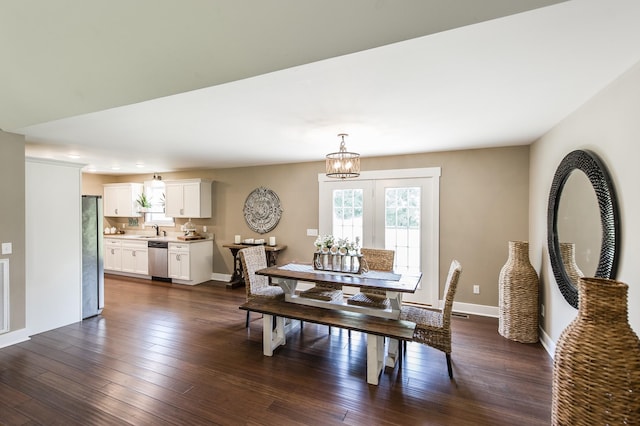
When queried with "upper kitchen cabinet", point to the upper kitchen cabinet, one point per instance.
{"points": [[120, 199], [190, 198]]}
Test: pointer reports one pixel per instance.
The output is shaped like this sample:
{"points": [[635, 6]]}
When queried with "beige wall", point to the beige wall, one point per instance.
{"points": [[92, 183], [608, 125], [12, 221], [483, 205]]}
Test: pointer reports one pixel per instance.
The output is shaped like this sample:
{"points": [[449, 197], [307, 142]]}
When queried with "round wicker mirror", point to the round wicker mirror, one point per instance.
{"points": [[595, 171]]}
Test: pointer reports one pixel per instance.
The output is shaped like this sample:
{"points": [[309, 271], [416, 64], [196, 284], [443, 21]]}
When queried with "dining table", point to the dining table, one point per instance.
{"points": [[393, 284]]}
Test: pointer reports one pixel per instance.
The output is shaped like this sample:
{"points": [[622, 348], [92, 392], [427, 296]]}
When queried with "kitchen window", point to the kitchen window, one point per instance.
{"points": [[155, 215]]}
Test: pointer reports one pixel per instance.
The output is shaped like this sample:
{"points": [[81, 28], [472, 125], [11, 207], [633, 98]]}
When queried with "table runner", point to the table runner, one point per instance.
{"points": [[378, 275]]}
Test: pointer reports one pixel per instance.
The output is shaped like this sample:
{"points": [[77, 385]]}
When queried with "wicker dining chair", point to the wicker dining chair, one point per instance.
{"points": [[257, 286], [433, 327], [376, 260]]}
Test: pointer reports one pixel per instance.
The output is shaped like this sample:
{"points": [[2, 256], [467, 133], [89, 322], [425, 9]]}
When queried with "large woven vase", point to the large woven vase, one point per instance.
{"points": [[568, 254], [596, 368], [518, 296]]}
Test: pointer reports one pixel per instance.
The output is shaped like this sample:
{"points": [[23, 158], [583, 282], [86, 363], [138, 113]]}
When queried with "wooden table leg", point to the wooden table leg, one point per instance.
{"points": [[288, 286], [272, 258], [395, 299], [375, 358], [237, 279], [272, 337], [392, 353]]}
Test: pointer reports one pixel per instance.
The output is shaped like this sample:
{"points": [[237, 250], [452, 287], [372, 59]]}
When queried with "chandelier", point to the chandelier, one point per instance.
{"points": [[343, 164]]}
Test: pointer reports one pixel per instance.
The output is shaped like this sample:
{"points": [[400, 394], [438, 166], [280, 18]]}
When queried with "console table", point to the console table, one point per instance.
{"points": [[237, 279]]}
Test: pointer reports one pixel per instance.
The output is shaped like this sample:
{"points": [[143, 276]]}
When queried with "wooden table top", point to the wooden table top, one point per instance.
{"points": [[406, 282]]}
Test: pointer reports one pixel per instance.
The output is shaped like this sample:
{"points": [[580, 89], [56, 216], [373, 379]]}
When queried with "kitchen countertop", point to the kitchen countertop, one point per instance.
{"points": [[169, 238]]}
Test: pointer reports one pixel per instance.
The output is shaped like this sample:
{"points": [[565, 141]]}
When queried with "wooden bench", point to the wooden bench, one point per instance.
{"points": [[376, 329]]}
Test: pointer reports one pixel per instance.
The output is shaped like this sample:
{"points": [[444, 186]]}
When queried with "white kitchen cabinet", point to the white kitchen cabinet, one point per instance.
{"points": [[112, 255], [190, 198], [135, 257], [131, 257], [120, 199], [191, 263], [179, 265], [188, 263]]}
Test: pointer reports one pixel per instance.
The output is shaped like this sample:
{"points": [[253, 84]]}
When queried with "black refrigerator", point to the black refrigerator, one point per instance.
{"points": [[92, 256]]}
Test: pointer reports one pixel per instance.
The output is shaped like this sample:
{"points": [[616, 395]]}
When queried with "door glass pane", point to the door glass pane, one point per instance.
{"points": [[347, 213], [402, 226]]}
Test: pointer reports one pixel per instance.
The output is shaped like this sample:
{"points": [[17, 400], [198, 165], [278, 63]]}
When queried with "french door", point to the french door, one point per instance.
{"points": [[392, 209]]}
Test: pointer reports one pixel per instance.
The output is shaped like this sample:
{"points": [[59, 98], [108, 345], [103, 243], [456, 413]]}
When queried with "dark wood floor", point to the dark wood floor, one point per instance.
{"points": [[162, 354]]}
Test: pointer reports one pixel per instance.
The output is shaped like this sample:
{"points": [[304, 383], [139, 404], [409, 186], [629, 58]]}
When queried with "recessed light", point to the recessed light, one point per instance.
{"points": [[74, 156], [115, 168], [140, 165]]}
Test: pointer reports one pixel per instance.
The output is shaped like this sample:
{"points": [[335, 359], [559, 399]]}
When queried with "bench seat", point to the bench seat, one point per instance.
{"points": [[396, 329], [376, 329]]}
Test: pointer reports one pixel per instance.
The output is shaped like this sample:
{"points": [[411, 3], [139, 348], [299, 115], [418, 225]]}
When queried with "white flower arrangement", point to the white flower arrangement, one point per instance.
{"points": [[330, 244]]}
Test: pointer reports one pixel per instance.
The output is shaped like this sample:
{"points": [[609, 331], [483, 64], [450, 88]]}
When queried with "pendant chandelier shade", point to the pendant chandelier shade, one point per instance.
{"points": [[343, 164]]}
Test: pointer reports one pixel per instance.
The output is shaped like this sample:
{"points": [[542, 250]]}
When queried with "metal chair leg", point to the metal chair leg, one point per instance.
{"points": [[246, 325], [449, 366]]}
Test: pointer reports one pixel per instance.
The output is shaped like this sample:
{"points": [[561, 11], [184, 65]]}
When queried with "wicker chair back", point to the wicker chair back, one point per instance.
{"points": [[253, 259], [378, 259]]}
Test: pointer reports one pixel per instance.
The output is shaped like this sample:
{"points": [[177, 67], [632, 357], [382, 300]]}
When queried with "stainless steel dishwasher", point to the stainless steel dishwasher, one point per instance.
{"points": [[158, 260]]}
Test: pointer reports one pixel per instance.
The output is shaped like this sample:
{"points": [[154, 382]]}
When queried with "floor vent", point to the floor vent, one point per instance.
{"points": [[459, 315], [4, 295]]}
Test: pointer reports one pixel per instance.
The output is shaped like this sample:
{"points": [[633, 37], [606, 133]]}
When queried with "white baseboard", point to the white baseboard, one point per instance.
{"points": [[548, 344], [221, 277], [14, 337], [473, 309]]}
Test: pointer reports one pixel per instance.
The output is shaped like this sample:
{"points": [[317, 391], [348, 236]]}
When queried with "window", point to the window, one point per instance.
{"points": [[155, 192], [347, 213], [402, 213]]}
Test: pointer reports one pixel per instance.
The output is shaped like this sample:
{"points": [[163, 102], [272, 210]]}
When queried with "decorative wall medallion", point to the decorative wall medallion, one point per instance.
{"points": [[262, 210]]}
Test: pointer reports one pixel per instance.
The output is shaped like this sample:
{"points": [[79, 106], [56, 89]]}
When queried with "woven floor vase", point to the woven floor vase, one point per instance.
{"points": [[596, 368], [568, 254], [518, 296]]}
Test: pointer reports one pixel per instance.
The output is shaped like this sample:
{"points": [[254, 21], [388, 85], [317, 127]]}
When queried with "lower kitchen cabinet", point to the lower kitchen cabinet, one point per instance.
{"points": [[131, 257], [112, 255], [188, 263], [191, 263], [135, 257], [179, 266]]}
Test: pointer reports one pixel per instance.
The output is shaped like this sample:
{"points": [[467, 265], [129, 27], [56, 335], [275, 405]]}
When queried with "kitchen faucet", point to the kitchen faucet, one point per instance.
{"points": [[157, 230]]}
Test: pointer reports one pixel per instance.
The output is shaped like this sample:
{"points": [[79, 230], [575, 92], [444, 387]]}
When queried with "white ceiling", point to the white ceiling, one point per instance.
{"points": [[234, 83]]}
